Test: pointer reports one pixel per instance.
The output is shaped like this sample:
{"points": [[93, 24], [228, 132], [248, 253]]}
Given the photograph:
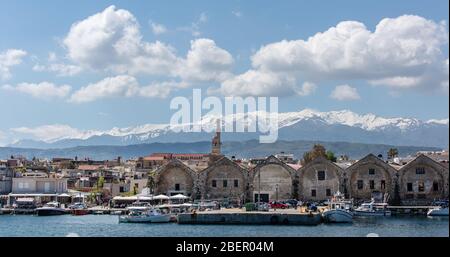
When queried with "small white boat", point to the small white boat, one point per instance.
{"points": [[144, 214], [339, 210], [51, 209], [116, 213], [372, 209], [438, 211]]}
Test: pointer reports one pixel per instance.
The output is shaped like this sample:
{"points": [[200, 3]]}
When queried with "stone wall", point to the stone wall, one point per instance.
{"points": [[172, 175], [422, 181], [370, 175], [275, 179], [224, 179], [278, 180], [319, 180]]}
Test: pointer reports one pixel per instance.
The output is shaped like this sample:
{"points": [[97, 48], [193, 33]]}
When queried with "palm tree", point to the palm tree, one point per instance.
{"points": [[392, 153]]}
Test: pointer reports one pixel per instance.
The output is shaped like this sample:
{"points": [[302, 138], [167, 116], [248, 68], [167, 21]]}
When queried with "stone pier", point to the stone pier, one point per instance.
{"points": [[251, 218]]}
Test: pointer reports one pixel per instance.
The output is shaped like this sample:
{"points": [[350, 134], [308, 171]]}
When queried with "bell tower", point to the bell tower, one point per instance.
{"points": [[216, 143]]}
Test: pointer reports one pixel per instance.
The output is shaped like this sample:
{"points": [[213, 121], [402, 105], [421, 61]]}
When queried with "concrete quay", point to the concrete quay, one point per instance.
{"points": [[251, 218]]}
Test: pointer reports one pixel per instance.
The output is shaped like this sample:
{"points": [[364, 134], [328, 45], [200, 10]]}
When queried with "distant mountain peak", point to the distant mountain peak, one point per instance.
{"points": [[304, 124]]}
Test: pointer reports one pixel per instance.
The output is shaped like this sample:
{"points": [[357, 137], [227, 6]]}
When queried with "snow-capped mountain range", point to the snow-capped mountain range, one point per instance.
{"points": [[306, 124]]}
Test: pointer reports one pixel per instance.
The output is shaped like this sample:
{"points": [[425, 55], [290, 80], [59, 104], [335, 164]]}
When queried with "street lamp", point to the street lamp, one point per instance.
{"points": [[276, 192], [259, 186]]}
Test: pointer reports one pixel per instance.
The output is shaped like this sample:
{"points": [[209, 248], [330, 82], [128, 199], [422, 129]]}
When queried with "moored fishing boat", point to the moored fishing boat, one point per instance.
{"points": [[438, 211], [51, 209], [144, 214], [79, 209], [372, 209], [338, 210]]}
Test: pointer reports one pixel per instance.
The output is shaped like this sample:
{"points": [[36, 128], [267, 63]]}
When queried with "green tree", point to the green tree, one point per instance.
{"points": [[318, 150], [306, 158], [331, 157], [392, 153], [100, 182]]}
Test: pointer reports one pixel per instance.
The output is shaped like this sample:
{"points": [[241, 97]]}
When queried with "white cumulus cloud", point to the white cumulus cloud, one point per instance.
{"points": [[48, 132], [44, 90], [206, 61], [111, 41], [57, 66], [345, 93], [257, 83], [306, 89], [158, 29], [122, 86], [8, 59], [401, 53]]}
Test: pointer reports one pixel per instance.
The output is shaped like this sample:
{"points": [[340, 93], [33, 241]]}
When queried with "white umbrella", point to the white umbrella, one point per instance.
{"points": [[179, 197], [161, 197]]}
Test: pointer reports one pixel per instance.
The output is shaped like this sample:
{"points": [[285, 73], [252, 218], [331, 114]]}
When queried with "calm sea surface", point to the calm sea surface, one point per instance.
{"points": [[106, 225]]}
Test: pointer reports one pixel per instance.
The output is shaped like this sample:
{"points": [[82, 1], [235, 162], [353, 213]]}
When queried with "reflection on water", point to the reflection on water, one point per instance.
{"points": [[105, 225]]}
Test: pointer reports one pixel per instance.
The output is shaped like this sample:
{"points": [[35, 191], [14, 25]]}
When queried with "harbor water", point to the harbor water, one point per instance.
{"points": [[108, 226]]}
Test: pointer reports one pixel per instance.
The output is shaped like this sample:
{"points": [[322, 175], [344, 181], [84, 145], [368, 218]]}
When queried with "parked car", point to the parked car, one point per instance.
{"points": [[278, 205], [311, 207], [292, 202], [262, 206]]}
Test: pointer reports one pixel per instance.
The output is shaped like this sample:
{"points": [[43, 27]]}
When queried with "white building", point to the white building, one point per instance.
{"points": [[42, 189]]}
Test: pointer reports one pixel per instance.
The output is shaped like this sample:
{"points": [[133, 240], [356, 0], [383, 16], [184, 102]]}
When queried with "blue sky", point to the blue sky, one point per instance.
{"points": [[233, 29]]}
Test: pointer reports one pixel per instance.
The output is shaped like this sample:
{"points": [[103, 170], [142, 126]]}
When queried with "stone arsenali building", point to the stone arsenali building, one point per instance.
{"points": [[216, 177]]}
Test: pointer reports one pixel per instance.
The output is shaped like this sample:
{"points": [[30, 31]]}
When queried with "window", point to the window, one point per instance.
{"points": [[313, 193], [225, 183], [383, 184], [371, 171], [46, 187], [420, 170], [214, 183], [121, 190], [360, 184], [328, 192], [236, 183], [435, 186], [372, 184], [177, 187], [321, 175], [421, 186], [409, 187]]}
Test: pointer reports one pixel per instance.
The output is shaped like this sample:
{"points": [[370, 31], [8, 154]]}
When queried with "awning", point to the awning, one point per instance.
{"points": [[161, 197], [179, 197], [25, 200], [125, 198], [63, 195], [31, 195]]}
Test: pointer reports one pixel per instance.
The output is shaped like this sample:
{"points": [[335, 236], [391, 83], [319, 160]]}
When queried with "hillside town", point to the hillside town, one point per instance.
{"points": [[413, 180]]}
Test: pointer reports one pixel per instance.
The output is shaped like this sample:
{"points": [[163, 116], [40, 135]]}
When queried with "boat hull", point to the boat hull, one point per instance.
{"points": [[80, 212], [145, 219], [372, 213], [438, 212], [50, 212], [338, 216]]}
